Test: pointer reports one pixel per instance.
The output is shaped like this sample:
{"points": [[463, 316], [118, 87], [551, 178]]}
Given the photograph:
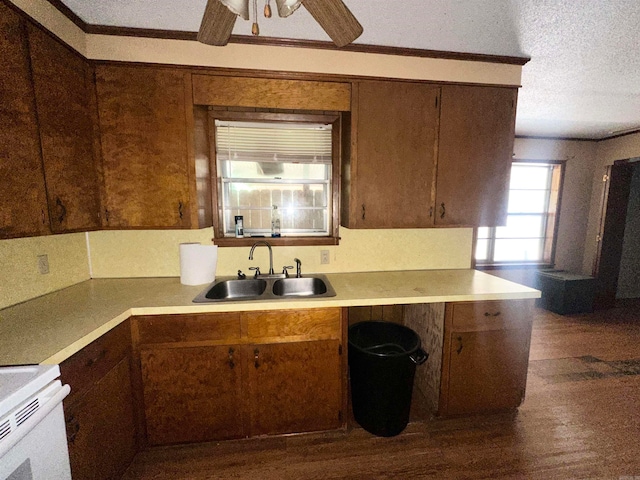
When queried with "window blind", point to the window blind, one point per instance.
{"points": [[270, 142]]}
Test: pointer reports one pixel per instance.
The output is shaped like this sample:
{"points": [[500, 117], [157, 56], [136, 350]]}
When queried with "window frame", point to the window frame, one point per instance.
{"points": [[546, 261], [335, 119]]}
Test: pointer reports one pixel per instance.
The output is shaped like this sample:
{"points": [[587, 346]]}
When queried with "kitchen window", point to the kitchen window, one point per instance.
{"points": [[285, 161], [532, 218]]}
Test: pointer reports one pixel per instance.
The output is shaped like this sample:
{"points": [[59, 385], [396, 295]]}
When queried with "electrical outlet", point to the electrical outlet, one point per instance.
{"points": [[324, 257], [43, 264]]}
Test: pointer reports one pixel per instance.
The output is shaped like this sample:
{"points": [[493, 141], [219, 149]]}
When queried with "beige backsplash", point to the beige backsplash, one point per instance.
{"points": [[20, 279], [149, 253]]}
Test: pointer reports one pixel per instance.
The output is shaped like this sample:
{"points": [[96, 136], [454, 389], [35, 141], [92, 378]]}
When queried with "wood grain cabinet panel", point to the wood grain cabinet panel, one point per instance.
{"points": [[192, 394], [485, 357], [99, 412], [294, 387], [23, 202], [394, 133], [475, 152], [144, 141], [63, 83]]}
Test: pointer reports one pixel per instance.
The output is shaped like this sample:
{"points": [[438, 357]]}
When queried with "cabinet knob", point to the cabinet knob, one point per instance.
{"points": [[61, 209], [232, 364]]}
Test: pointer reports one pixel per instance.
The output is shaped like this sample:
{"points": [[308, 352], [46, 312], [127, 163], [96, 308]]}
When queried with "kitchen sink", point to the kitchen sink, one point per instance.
{"points": [[269, 288], [302, 287]]}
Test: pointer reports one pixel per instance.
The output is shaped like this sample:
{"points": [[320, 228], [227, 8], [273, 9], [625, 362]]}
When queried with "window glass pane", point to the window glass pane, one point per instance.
{"points": [[517, 250], [522, 226], [527, 201], [269, 170], [484, 232], [482, 247], [529, 176]]}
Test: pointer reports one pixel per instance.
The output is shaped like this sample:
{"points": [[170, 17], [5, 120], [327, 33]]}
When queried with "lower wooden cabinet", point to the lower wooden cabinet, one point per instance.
{"points": [[218, 376], [99, 412], [486, 356]]}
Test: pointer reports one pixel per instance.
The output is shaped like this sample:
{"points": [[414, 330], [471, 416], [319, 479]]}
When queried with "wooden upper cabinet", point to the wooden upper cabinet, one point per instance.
{"points": [[387, 182], [149, 175], [23, 203], [474, 155], [63, 85]]}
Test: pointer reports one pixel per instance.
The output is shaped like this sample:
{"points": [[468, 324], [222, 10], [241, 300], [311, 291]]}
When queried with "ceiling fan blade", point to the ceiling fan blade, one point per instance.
{"points": [[217, 24], [335, 19]]}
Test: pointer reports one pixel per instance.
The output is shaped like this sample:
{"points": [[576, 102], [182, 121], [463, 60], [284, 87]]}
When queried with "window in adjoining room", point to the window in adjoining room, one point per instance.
{"points": [[287, 161], [532, 217]]}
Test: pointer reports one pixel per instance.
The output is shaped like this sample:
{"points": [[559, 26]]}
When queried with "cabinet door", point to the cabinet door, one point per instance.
{"points": [[23, 204], [474, 155], [192, 394], [63, 87], [101, 428], [395, 131], [142, 116], [294, 387], [487, 370]]}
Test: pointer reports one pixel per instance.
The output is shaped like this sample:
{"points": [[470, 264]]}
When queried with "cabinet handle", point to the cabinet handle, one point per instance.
{"points": [[459, 349], [256, 359], [363, 212], [180, 206], [44, 218], [94, 360], [430, 212], [62, 209], [496, 314], [73, 427], [231, 362], [106, 215], [442, 210]]}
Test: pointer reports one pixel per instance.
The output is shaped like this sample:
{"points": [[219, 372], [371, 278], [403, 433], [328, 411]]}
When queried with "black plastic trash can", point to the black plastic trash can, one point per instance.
{"points": [[382, 363]]}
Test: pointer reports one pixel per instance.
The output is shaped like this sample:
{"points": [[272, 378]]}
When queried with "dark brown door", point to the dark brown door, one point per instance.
{"points": [[101, 429], [142, 113], [192, 394], [613, 220], [294, 387], [23, 202], [396, 129], [487, 370], [63, 86], [474, 155]]}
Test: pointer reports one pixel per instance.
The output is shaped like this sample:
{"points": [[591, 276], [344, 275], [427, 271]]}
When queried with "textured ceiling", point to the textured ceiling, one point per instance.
{"points": [[583, 80]]}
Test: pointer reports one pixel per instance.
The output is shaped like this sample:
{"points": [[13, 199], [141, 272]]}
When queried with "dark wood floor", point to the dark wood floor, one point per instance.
{"points": [[580, 419]]}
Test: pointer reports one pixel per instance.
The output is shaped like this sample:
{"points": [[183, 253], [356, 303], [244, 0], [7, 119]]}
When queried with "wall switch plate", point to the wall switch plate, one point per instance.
{"points": [[324, 257], [43, 264]]}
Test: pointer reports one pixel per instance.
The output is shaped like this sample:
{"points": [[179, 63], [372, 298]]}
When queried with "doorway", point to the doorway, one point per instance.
{"points": [[617, 260]]}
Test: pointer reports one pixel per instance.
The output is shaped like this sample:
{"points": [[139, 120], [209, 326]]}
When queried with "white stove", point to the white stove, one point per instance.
{"points": [[33, 442]]}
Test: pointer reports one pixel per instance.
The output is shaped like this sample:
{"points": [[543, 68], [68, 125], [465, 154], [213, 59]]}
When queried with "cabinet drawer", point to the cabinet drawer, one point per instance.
{"points": [[83, 369], [288, 325], [491, 315], [187, 328]]}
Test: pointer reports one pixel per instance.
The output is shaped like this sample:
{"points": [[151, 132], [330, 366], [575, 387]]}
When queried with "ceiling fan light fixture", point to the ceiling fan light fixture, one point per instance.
{"points": [[239, 7], [287, 7]]}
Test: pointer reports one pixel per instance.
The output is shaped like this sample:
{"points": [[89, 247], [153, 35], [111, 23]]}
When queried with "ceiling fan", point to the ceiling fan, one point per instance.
{"points": [[332, 15]]}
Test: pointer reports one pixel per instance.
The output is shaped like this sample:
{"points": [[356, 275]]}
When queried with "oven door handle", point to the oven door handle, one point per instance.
{"points": [[25, 428]]}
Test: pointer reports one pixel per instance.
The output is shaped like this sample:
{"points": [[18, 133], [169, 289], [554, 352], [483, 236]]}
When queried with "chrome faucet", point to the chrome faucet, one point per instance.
{"points": [[268, 245], [298, 267]]}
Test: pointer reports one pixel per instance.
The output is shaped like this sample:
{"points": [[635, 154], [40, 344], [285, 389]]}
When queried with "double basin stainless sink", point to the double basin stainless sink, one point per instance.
{"points": [[232, 289]]}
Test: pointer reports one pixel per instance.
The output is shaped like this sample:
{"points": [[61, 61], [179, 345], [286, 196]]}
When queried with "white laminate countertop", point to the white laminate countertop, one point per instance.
{"points": [[51, 328]]}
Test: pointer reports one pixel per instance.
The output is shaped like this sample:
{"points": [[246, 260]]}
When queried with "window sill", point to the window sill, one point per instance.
{"points": [[513, 266], [276, 241]]}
